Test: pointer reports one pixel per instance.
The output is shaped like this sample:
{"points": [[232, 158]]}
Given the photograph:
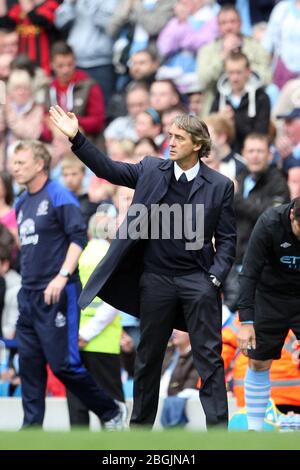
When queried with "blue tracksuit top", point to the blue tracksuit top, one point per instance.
{"points": [[48, 221]]}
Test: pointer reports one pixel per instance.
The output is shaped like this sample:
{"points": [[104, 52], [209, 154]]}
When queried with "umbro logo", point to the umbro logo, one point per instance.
{"points": [[285, 245]]}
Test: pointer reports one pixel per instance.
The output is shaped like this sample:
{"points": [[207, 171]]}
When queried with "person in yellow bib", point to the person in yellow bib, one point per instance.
{"points": [[100, 327]]}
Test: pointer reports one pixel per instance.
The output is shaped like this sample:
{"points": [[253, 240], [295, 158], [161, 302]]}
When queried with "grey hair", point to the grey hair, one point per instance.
{"points": [[198, 131], [39, 151]]}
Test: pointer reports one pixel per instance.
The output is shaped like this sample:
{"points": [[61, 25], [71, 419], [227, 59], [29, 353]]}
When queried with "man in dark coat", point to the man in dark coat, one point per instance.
{"points": [[161, 277]]}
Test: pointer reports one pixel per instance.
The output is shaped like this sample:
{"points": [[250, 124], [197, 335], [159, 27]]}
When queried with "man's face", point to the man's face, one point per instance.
{"points": [[141, 65], [182, 148], [11, 43], [294, 181], [64, 67], [137, 101], [229, 22], [145, 127], [257, 155], [292, 130], [162, 96], [295, 225], [238, 74], [25, 167], [73, 178], [195, 102], [21, 94]]}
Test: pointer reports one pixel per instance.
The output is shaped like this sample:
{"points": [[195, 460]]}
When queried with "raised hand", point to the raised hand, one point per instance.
{"points": [[67, 123]]}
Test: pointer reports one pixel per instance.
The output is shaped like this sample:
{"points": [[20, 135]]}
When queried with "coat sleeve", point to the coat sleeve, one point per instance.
{"points": [[225, 236], [123, 174], [258, 248]]}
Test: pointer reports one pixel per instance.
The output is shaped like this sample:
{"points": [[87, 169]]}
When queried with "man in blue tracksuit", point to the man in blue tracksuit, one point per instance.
{"points": [[52, 235]]}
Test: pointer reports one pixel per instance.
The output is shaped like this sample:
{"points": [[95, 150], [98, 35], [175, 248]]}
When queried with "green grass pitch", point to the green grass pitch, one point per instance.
{"points": [[176, 439]]}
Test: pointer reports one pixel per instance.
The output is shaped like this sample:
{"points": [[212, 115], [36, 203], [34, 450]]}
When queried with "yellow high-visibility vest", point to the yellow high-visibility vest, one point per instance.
{"points": [[108, 341]]}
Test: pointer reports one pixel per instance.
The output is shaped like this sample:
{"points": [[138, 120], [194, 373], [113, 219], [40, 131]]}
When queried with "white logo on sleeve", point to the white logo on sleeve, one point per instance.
{"points": [[285, 244], [27, 233], [43, 208], [60, 320], [20, 217]]}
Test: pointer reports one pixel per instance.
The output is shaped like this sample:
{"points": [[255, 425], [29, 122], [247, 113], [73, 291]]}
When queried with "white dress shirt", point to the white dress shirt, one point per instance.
{"points": [[190, 174]]}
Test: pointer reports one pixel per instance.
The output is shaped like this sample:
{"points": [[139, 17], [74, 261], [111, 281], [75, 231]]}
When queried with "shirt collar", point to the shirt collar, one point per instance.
{"points": [[190, 174]]}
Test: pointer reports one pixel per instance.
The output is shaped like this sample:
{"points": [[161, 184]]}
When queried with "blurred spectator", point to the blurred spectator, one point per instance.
{"points": [[259, 187], [73, 173], [211, 56], [100, 326], [145, 146], [282, 38], [193, 25], [178, 370], [164, 95], [9, 42], [148, 124], [288, 99], [40, 81], [186, 30], [5, 66], [294, 181], [251, 11], [12, 280], [7, 212], [194, 95], [288, 145], [123, 127], [222, 133], [241, 98], [143, 65], [121, 150], [10, 286], [128, 349], [136, 24], [24, 117], [73, 90], [34, 21], [179, 380], [85, 26]]}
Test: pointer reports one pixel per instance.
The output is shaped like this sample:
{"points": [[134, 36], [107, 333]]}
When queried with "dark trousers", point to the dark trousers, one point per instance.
{"points": [[201, 304], [49, 334], [106, 371]]}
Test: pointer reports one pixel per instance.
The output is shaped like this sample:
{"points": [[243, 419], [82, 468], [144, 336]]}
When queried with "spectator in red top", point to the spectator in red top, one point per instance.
{"points": [[34, 21], [73, 90]]}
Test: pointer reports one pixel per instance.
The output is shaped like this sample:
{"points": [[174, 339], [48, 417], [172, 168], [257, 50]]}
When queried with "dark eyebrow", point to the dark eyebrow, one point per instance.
{"points": [[176, 135]]}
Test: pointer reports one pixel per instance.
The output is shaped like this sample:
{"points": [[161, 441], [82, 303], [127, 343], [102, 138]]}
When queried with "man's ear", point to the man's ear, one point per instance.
{"points": [[292, 215]]}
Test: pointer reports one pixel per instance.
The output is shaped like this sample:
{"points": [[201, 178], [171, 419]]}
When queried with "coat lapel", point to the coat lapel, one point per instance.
{"points": [[161, 186], [202, 176]]}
